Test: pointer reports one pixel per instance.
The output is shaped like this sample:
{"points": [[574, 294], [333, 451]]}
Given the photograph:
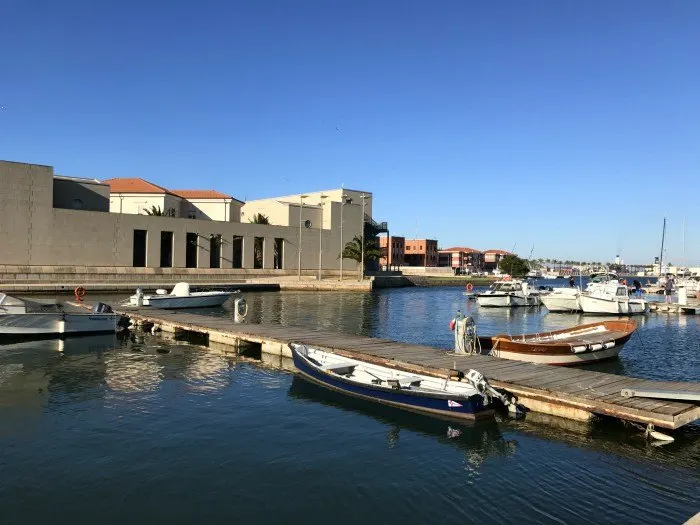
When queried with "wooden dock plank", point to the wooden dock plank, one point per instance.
{"points": [[596, 391]]}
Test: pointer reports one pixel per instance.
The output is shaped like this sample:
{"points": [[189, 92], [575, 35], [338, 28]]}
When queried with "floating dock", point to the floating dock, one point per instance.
{"points": [[565, 392]]}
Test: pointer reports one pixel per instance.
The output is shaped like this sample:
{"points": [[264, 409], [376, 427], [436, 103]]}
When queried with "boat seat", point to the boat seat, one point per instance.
{"points": [[340, 369]]}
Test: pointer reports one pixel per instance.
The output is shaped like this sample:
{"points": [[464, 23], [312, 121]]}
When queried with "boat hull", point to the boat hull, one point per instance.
{"points": [[571, 359], [168, 302], [560, 302], [605, 306], [505, 300], [444, 406], [56, 323]]}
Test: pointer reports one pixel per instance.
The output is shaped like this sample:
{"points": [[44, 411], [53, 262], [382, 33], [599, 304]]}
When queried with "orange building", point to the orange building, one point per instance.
{"points": [[462, 259], [421, 252], [493, 257], [393, 257]]}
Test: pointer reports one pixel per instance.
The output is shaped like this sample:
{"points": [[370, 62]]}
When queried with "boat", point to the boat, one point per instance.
{"points": [[180, 297], [23, 317], [460, 396], [508, 292], [611, 298], [581, 344], [562, 300], [534, 274]]}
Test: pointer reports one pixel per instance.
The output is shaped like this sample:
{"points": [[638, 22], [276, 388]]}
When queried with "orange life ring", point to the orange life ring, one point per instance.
{"points": [[79, 293], [470, 287], [624, 281]]}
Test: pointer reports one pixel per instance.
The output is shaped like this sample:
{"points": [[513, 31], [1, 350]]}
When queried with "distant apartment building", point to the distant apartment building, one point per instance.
{"points": [[393, 256], [421, 252], [493, 257], [462, 259]]}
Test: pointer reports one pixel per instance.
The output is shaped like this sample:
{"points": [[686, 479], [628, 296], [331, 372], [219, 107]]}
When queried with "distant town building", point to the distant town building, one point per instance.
{"points": [[421, 252], [462, 259], [392, 257], [493, 257]]}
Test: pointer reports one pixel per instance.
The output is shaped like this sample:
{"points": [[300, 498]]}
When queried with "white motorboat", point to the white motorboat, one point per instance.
{"points": [[22, 317], [180, 297], [507, 293], [562, 300], [611, 298]]}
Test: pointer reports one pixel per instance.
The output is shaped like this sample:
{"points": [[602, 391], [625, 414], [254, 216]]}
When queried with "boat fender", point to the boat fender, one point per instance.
{"points": [[79, 293], [452, 325]]}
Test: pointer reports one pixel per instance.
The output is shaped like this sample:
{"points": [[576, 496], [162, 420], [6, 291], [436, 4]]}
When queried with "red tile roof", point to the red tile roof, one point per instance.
{"points": [[460, 249], [134, 185], [201, 194], [498, 252]]}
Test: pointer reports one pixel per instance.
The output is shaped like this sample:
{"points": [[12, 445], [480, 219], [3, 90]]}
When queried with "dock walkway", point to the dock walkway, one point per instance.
{"points": [[571, 393]]}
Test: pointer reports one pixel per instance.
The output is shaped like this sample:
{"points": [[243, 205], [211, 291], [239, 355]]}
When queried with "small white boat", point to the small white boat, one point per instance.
{"points": [[611, 298], [180, 297], [23, 317], [562, 300], [507, 293]]}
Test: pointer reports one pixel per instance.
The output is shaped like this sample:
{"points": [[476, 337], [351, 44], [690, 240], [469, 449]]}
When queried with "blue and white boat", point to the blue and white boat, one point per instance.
{"points": [[459, 396]]}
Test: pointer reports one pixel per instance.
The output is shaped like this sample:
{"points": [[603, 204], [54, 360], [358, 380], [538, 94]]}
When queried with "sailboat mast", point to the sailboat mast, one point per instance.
{"points": [[661, 258]]}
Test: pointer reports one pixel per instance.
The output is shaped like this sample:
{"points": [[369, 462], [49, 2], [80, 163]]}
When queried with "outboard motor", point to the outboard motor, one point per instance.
{"points": [[139, 297], [466, 340], [240, 310], [101, 308]]}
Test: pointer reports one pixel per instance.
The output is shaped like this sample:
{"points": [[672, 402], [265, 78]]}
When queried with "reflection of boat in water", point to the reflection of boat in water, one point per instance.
{"points": [[480, 440], [75, 344]]}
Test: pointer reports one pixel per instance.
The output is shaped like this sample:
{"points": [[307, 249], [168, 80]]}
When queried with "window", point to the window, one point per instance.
{"points": [[192, 214], [77, 204]]}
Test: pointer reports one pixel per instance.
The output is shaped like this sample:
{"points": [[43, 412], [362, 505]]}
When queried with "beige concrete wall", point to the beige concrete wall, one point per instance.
{"points": [[32, 232], [210, 209], [136, 203], [277, 212]]}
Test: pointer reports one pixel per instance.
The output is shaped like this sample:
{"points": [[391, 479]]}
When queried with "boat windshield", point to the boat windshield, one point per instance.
{"points": [[503, 287]]}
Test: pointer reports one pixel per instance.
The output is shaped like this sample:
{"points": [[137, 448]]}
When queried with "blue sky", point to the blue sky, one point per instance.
{"points": [[570, 126]]}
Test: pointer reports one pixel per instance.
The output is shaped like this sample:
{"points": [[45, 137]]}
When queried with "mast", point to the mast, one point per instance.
{"points": [[661, 258]]}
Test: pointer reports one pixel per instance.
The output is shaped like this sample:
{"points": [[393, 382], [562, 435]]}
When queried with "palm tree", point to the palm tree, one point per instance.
{"points": [[157, 211], [259, 218], [353, 250]]}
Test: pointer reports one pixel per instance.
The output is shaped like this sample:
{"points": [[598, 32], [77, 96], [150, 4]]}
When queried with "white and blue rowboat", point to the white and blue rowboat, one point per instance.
{"points": [[460, 396]]}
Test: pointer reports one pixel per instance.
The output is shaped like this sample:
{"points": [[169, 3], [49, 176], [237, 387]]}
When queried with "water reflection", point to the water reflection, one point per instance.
{"points": [[478, 440]]}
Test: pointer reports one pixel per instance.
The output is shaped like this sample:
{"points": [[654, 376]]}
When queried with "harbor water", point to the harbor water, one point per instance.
{"points": [[146, 429]]}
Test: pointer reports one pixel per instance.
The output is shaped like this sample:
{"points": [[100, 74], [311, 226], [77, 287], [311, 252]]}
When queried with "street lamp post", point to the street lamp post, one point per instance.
{"points": [[362, 247], [301, 213], [320, 237], [343, 200]]}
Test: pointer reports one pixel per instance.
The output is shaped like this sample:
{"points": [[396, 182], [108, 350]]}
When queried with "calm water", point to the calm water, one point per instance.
{"points": [[119, 431]]}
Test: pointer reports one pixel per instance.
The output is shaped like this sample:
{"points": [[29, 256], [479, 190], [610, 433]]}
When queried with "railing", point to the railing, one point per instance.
{"points": [[379, 226]]}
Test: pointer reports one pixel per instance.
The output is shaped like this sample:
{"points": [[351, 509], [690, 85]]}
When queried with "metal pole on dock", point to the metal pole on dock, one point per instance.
{"points": [[661, 258]]}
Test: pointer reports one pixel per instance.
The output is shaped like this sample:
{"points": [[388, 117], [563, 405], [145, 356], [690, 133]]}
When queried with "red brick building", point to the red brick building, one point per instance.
{"points": [[421, 252], [493, 257], [462, 259], [394, 256]]}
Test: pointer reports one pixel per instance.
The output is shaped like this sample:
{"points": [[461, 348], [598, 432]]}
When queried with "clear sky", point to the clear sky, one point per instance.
{"points": [[570, 126]]}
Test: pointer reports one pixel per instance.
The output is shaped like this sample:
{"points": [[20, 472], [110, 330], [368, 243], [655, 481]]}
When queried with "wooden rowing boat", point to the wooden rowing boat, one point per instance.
{"points": [[571, 346]]}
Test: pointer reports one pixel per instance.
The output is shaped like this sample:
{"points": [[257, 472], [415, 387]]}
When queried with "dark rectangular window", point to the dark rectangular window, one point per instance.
{"points": [[215, 251], [279, 252], [237, 257], [140, 237], [258, 252], [166, 249], [191, 248]]}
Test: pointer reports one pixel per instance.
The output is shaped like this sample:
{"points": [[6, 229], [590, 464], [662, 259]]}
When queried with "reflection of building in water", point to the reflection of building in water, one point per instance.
{"points": [[132, 371], [208, 372]]}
